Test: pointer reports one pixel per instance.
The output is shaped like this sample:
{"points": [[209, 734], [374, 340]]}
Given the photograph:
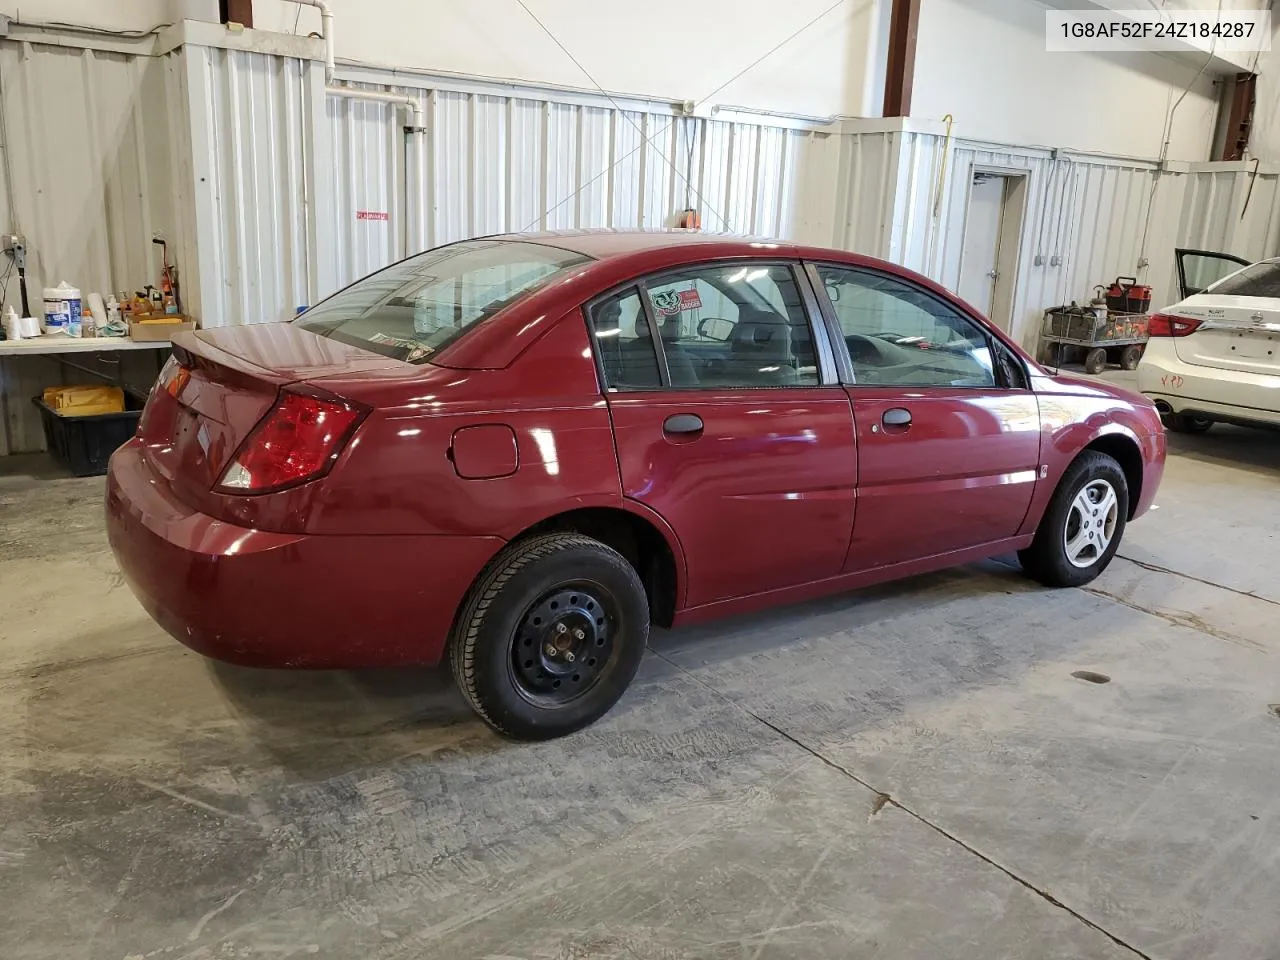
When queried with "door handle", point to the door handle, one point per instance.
{"points": [[896, 417], [682, 423]]}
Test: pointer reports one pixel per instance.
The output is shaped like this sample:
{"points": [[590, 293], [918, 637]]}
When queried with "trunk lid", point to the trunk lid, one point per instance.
{"points": [[1236, 333], [232, 378]]}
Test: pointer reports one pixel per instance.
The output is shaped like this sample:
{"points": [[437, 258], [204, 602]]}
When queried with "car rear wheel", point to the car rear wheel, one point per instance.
{"points": [[1082, 527], [1186, 423], [550, 636]]}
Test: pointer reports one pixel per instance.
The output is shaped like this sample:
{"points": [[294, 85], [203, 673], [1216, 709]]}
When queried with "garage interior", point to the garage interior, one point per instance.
{"points": [[963, 764]]}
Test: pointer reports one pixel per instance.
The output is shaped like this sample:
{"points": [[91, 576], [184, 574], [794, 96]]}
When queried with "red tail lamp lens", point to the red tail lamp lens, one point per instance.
{"points": [[1162, 325], [298, 441]]}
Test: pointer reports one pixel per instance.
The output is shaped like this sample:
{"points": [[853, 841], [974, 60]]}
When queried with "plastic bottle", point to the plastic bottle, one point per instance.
{"points": [[12, 329], [88, 323], [62, 309], [113, 309]]}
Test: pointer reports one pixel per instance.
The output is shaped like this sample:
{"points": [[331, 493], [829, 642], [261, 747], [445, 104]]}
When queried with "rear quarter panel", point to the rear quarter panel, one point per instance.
{"points": [[397, 477], [1075, 413]]}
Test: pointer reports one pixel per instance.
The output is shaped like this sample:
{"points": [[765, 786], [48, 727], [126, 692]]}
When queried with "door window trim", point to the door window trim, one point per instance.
{"points": [[845, 363], [1180, 252], [825, 352]]}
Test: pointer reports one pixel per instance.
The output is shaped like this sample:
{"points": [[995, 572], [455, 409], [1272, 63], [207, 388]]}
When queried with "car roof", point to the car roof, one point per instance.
{"points": [[605, 244]]}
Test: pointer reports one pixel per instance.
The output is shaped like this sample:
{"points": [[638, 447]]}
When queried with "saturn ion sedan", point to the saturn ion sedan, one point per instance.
{"points": [[518, 452]]}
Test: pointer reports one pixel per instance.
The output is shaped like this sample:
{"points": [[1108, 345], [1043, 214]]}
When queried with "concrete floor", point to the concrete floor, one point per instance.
{"points": [[907, 772]]}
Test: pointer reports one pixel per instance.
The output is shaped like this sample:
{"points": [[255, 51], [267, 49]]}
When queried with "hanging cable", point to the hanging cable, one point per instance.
{"points": [[617, 106]]}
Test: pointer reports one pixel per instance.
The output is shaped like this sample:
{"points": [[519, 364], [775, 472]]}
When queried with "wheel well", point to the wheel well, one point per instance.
{"points": [[1126, 453], [634, 537]]}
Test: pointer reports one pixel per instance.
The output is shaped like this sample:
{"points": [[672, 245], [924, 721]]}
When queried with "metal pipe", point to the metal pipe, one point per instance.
{"points": [[377, 96], [326, 33]]}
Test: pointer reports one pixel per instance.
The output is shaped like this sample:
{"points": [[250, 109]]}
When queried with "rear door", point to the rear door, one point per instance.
{"points": [[948, 431], [1199, 269], [730, 423], [1239, 327]]}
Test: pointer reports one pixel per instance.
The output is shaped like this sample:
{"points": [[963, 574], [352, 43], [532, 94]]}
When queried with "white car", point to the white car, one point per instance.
{"points": [[1215, 354]]}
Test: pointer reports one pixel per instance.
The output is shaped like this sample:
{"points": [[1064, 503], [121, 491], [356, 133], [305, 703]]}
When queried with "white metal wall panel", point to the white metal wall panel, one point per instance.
{"points": [[254, 121], [77, 151], [497, 163], [1232, 208]]}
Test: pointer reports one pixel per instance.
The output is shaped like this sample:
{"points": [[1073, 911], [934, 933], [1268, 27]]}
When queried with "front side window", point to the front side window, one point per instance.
{"points": [[900, 335], [733, 325], [415, 308]]}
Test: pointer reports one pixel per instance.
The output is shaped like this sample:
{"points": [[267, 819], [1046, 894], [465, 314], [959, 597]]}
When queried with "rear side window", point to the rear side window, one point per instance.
{"points": [[1259, 280], [415, 308], [623, 343]]}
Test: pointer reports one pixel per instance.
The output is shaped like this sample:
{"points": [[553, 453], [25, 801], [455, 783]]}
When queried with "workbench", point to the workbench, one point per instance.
{"points": [[28, 366]]}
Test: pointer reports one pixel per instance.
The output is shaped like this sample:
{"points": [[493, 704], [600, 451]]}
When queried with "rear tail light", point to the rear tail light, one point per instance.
{"points": [[1162, 325], [297, 441]]}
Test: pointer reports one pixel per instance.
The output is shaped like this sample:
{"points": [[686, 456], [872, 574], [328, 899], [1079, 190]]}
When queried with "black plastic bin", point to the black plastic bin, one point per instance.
{"points": [[85, 444]]}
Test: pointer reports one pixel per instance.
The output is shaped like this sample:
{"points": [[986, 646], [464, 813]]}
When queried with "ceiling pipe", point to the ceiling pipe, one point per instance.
{"points": [[418, 120]]}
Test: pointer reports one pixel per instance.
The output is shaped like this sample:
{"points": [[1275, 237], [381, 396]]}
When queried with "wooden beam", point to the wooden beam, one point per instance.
{"points": [[237, 11], [900, 65], [1240, 119]]}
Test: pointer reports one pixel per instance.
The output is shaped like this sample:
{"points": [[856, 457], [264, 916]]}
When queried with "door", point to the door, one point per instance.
{"points": [[1198, 269], [730, 424], [948, 432], [980, 250]]}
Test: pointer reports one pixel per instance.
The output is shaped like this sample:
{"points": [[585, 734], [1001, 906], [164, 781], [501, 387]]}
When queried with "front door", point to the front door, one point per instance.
{"points": [[948, 433], [980, 249], [729, 426]]}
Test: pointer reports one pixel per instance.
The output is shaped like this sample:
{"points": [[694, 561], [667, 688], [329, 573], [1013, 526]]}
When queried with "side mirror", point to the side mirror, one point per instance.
{"points": [[833, 292]]}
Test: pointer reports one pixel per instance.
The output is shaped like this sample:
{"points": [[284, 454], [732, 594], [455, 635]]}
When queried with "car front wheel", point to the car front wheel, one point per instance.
{"points": [[1082, 527], [550, 636]]}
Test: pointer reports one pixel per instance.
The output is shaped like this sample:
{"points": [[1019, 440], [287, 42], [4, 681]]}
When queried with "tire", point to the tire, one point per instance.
{"points": [[1130, 357], [1186, 423], [560, 592], [1049, 354], [1095, 361], [1061, 534]]}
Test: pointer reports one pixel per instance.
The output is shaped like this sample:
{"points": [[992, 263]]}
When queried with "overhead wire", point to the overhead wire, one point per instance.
{"points": [[617, 106]]}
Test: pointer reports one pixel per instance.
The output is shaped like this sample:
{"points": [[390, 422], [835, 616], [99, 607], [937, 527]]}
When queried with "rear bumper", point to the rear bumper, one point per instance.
{"points": [[284, 600], [1191, 388]]}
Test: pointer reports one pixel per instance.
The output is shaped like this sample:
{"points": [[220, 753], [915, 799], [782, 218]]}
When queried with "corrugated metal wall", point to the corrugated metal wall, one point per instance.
{"points": [[1232, 208], [1083, 219], [250, 187], [494, 164]]}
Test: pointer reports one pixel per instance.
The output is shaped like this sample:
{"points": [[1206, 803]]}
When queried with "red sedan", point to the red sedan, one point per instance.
{"points": [[522, 450]]}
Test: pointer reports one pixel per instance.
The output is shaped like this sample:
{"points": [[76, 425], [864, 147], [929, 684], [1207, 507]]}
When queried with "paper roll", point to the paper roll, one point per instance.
{"points": [[28, 327]]}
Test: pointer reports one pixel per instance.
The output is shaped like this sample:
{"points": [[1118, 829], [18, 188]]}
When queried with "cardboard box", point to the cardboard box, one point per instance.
{"points": [[154, 330]]}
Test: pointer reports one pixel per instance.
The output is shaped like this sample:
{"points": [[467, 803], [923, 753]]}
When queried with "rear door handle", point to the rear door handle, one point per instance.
{"points": [[896, 417], [682, 423]]}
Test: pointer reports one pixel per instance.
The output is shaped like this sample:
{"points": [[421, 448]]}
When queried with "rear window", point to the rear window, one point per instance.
{"points": [[415, 308], [1258, 280]]}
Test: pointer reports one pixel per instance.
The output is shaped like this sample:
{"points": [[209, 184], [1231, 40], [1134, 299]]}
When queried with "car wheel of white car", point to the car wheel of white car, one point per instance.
{"points": [[1083, 524], [1186, 423]]}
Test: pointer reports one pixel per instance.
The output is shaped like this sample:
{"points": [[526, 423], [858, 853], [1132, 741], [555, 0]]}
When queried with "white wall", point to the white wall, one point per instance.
{"points": [[984, 61], [103, 14], [670, 49]]}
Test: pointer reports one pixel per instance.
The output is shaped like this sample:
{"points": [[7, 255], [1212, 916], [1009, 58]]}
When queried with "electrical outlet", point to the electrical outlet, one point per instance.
{"points": [[1055, 261], [15, 245], [1039, 260], [1143, 263]]}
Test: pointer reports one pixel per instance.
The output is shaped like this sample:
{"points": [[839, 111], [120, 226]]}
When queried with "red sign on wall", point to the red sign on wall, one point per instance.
{"points": [[372, 215]]}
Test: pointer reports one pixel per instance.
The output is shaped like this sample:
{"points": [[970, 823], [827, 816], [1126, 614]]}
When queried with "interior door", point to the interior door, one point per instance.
{"points": [[948, 432], [980, 249], [1199, 269], [730, 424]]}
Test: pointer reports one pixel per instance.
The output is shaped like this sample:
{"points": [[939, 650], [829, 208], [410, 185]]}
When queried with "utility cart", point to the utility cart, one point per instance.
{"points": [[1085, 334]]}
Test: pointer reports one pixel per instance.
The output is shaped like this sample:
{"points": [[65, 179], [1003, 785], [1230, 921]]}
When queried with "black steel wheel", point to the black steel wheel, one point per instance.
{"points": [[563, 643], [550, 635]]}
